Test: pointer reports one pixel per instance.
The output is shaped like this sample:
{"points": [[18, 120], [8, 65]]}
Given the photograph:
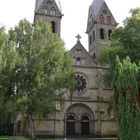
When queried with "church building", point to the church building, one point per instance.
{"points": [[88, 113]]}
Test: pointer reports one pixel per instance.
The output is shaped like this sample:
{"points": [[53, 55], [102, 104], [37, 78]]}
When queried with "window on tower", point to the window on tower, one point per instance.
{"points": [[94, 55], [104, 11], [44, 9], [108, 20], [93, 36], [53, 11], [53, 24], [49, 2], [102, 33], [101, 19], [90, 40], [109, 34]]}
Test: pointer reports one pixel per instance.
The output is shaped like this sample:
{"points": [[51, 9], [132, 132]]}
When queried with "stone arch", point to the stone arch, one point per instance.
{"points": [[80, 111], [85, 124], [102, 33], [53, 25], [109, 34]]}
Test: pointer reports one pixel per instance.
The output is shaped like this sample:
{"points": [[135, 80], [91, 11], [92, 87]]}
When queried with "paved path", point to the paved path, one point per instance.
{"points": [[86, 139]]}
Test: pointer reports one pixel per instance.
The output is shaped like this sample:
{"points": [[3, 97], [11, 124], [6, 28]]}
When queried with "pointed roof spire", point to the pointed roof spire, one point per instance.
{"points": [[96, 6], [38, 4]]}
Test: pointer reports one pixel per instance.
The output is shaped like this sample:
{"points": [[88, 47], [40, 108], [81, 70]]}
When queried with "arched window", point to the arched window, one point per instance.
{"points": [[78, 59], [101, 18], [102, 33], [70, 124], [45, 10], [108, 20], [85, 118], [71, 117], [90, 40], [109, 34], [93, 36], [85, 124], [53, 24], [53, 11], [94, 55]]}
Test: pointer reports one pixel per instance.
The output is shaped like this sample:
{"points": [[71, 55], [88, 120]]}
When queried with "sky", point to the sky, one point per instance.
{"points": [[74, 20]]}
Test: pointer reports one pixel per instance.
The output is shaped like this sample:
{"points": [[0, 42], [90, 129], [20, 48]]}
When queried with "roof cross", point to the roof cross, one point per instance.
{"points": [[78, 38]]}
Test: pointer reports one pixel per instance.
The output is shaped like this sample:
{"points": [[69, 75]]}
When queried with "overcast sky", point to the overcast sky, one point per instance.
{"points": [[75, 15]]}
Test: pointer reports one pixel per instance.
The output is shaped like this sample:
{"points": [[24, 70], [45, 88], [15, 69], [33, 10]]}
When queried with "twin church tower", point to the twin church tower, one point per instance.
{"points": [[100, 22], [88, 112]]}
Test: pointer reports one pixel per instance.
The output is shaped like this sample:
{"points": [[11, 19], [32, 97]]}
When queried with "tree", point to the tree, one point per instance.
{"points": [[127, 98], [8, 58], [125, 41], [42, 68]]}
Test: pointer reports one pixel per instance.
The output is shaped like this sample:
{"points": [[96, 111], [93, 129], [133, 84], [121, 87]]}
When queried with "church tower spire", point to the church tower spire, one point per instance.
{"points": [[49, 10], [100, 25]]}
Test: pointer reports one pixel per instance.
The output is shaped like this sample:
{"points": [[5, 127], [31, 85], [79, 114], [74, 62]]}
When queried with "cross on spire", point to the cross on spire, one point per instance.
{"points": [[78, 38]]}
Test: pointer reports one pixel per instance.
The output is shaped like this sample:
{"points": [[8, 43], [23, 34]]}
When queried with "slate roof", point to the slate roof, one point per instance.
{"points": [[38, 4], [96, 6]]}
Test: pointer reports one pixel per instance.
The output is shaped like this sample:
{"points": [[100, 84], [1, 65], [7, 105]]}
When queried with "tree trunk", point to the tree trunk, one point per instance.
{"points": [[33, 137]]}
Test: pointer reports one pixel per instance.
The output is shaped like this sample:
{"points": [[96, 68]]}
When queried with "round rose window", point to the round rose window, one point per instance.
{"points": [[81, 83]]}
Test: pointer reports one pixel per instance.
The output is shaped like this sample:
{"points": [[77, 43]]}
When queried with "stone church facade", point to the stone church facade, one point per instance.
{"points": [[88, 112]]}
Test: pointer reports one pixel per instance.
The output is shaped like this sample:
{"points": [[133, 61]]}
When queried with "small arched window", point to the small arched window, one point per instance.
{"points": [[109, 34], [53, 24], [94, 55], [45, 10], [85, 118], [90, 40], [93, 36], [102, 33], [108, 20], [53, 11], [71, 117], [101, 18]]}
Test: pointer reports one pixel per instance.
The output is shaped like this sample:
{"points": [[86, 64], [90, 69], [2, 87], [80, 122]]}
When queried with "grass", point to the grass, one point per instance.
{"points": [[20, 138], [12, 138]]}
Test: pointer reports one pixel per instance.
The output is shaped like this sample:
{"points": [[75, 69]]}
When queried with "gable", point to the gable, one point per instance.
{"points": [[94, 9], [97, 9], [80, 56], [106, 13], [49, 7]]}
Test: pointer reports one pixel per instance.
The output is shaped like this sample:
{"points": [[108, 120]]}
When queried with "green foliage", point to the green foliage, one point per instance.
{"points": [[7, 63], [42, 68], [33, 65], [126, 98], [125, 40]]}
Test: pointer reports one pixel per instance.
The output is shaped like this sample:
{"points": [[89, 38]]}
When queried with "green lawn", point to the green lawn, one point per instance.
{"points": [[12, 138], [20, 138]]}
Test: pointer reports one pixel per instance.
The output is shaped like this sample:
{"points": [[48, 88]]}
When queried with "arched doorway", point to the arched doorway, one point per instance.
{"points": [[85, 124], [70, 124], [79, 120]]}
